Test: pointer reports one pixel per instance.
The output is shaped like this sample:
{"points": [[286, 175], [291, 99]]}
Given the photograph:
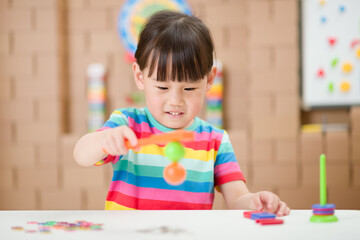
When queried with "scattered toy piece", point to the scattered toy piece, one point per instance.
{"points": [[247, 214], [47, 227], [262, 215], [270, 221]]}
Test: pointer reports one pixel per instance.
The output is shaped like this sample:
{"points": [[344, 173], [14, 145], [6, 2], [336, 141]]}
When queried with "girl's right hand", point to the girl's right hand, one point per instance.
{"points": [[114, 141]]}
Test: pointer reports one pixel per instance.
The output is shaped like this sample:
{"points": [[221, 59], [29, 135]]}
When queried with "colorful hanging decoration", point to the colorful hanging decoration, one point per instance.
{"points": [[214, 99], [96, 95], [134, 14]]}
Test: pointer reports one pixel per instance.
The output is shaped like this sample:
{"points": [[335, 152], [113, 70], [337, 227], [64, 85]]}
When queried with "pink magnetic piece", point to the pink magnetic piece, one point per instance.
{"points": [[323, 209]]}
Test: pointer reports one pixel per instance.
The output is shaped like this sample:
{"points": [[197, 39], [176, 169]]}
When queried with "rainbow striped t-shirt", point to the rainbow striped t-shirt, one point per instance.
{"points": [[138, 181]]}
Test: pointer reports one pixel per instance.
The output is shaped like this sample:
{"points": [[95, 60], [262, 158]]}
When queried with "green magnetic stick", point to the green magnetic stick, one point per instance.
{"points": [[325, 218], [323, 179]]}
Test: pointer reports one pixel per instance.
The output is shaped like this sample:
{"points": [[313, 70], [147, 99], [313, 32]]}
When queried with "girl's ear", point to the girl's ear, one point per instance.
{"points": [[138, 76], [210, 78]]}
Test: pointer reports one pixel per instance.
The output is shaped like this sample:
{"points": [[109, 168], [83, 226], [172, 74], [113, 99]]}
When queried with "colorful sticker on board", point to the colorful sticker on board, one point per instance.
{"points": [[332, 41], [347, 67], [345, 86], [354, 43], [320, 73], [331, 87], [334, 62], [134, 14], [342, 8], [358, 52]]}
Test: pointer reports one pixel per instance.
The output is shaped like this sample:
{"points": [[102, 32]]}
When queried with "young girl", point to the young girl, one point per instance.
{"points": [[174, 67]]}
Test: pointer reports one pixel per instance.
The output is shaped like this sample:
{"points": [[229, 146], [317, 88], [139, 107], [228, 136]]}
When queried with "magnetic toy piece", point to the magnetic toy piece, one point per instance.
{"points": [[324, 206], [320, 216], [164, 138], [248, 214], [323, 212], [262, 215], [174, 174], [174, 151], [269, 221]]}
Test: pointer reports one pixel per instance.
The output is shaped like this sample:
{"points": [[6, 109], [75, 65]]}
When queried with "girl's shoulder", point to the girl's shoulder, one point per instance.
{"points": [[210, 130], [130, 111]]}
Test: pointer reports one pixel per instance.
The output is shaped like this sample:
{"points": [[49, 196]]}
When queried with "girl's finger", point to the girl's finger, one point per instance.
{"points": [[258, 203], [281, 211], [130, 136]]}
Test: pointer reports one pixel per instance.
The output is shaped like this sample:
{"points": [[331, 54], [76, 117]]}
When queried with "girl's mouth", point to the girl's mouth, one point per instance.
{"points": [[174, 114]]}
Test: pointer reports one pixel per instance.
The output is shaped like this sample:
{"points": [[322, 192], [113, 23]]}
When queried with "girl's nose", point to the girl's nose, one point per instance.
{"points": [[176, 97]]}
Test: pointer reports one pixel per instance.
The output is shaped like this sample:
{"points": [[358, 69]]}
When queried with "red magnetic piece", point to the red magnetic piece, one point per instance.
{"points": [[248, 213], [269, 221], [332, 41]]}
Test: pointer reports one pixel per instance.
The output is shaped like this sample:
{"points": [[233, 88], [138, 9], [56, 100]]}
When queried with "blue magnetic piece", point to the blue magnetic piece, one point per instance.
{"points": [[323, 212], [262, 215], [319, 206]]}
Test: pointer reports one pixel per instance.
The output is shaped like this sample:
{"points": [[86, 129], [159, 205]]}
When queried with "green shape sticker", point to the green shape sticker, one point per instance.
{"points": [[334, 62], [331, 87]]}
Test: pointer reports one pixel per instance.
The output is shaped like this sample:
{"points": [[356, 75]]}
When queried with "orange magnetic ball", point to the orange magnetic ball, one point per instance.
{"points": [[174, 174]]}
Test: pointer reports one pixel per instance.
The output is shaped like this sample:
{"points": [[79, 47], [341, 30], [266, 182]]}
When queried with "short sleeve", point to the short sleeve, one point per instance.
{"points": [[226, 167], [117, 118]]}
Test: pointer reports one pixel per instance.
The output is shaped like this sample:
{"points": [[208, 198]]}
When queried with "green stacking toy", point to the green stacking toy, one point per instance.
{"points": [[326, 216]]}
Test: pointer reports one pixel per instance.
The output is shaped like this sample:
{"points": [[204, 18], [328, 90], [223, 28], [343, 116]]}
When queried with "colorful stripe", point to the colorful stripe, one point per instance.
{"points": [[138, 181]]}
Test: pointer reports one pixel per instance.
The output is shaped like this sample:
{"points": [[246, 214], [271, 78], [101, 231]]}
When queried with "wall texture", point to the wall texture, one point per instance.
{"points": [[46, 45]]}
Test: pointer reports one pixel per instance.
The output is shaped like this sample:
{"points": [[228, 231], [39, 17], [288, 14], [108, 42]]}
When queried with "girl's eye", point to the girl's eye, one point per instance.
{"points": [[162, 88], [190, 89]]}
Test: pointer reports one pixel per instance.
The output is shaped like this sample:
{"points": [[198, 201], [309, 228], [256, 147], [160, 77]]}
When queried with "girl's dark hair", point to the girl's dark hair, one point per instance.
{"points": [[179, 39]]}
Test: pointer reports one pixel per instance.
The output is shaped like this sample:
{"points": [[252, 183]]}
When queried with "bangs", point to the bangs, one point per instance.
{"points": [[181, 54]]}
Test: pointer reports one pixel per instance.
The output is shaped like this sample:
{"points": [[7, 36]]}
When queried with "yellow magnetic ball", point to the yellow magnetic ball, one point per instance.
{"points": [[322, 2], [347, 67], [345, 86]]}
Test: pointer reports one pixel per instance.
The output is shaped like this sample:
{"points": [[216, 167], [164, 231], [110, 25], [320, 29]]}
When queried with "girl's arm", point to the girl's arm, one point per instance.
{"points": [[93, 147]]}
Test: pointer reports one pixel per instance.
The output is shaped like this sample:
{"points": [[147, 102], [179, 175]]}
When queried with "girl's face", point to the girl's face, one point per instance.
{"points": [[173, 104]]}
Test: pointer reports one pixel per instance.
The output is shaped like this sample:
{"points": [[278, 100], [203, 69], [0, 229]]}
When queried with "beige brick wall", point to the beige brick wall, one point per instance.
{"points": [[46, 46]]}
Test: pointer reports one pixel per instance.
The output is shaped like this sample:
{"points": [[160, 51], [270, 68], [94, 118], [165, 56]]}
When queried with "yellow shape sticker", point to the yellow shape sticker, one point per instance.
{"points": [[358, 52], [347, 67], [345, 86]]}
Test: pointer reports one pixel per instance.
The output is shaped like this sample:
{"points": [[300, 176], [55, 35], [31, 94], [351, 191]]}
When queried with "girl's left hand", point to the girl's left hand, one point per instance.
{"points": [[270, 202]]}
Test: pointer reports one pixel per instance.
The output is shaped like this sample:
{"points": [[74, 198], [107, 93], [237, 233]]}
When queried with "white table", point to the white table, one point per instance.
{"points": [[216, 224]]}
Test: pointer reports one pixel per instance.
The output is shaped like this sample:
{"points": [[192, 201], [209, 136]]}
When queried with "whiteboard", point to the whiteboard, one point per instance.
{"points": [[330, 53]]}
